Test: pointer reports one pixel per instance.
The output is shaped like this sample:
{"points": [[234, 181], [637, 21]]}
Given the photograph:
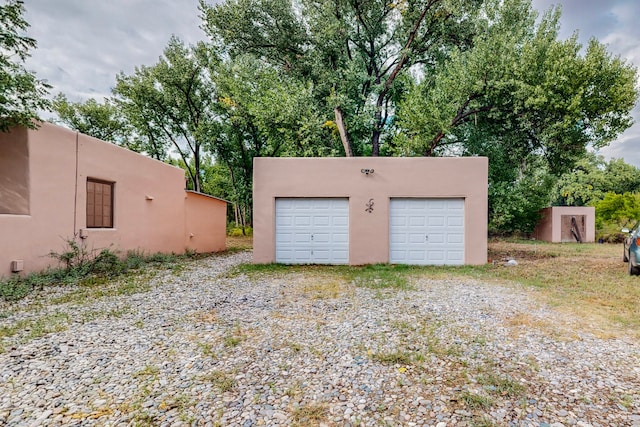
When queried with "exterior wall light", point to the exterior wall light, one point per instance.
{"points": [[367, 171]]}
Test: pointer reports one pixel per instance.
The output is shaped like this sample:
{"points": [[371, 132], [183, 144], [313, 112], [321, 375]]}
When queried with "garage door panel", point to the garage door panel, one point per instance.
{"points": [[321, 237], [340, 221], [399, 221], [302, 237], [455, 221], [321, 221], [417, 238], [456, 204], [426, 231], [436, 220], [455, 238], [398, 238], [436, 238], [436, 204], [455, 257], [417, 221], [312, 231], [284, 220], [340, 238], [302, 221]]}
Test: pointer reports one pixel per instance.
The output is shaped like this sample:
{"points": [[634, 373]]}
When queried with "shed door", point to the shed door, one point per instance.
{"points": [[312, 231], [426, 231]]}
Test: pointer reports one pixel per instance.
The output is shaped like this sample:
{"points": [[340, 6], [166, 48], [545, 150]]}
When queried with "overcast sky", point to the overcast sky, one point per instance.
{"points": [[83, 45]]}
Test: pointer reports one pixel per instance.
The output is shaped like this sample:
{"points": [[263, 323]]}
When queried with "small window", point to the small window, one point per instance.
{"points": [[99, 204]]}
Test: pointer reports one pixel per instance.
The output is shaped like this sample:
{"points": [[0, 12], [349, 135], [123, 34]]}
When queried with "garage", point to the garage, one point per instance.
{"points": [[370, 210], [426, 231], [312, 230]]}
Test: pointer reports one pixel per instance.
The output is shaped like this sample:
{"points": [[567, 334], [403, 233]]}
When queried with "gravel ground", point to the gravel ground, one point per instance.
{"points": [[202, 347]]}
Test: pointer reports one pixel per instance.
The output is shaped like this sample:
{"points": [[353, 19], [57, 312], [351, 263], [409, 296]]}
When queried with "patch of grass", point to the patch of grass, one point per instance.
{"points": [[239, 243], [234, 339], [398, 357], [147, 371], [295, 347], [220, 380], [207, 349], [381, 276], [309, 414], [476, 401], [88, 268], [30, 329], [502, 385], [322, 287], [483, 421]]}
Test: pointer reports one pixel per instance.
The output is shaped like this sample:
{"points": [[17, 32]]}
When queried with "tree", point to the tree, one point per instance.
{"points": [[592, 178], [264, 113], [100, 120], [174, 103], [357, 54], [620, 209], [22, 95], [519, 83]]}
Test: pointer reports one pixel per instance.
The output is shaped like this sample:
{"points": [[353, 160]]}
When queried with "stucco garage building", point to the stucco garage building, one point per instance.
{"points": [[370, 210]]}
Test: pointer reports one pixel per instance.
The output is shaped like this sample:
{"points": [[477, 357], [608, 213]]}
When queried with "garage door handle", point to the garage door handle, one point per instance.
{"points": [[426, 238]]}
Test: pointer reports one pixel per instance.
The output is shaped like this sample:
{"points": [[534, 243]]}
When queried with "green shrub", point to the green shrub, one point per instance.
{"points": [[238, 232], [79, 263]]}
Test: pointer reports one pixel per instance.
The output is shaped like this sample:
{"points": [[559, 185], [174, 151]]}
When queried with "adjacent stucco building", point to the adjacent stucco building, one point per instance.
{"points": [[563, 224], [370, 210], [56, 184]]}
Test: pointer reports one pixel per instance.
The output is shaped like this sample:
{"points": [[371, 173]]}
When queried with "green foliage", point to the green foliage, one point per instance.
{"points": [[173, 104], [620, 209], [240, 231], [100, 120], [532, 93], [593, 177], [355, 56], [80, 264], [22, 95]]}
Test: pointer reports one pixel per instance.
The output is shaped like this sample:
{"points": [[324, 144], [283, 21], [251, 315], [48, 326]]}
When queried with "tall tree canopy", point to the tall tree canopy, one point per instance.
{"points": [[100, 120], [22, 95], [173, 103], [522, 89], [356, 53]]}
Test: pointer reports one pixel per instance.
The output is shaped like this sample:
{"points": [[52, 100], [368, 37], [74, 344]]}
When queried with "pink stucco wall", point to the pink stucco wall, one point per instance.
{"points": [[205, 213], [549, 227], [150, 204], [393, 178]]}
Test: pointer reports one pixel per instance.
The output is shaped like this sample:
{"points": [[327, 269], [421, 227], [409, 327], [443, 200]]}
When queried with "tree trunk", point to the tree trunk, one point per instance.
{"points": [[343, 132]]}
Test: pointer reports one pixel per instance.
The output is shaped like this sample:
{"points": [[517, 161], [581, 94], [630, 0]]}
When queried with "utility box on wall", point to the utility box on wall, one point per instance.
{"points": [[566, 224], [368, 210]]}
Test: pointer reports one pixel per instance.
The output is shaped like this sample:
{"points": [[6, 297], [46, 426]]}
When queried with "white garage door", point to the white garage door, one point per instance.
{"points": [[427, 231], [312, 231]]}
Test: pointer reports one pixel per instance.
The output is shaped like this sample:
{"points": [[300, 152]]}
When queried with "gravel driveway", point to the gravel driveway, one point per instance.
{"points": [[202, 347]]}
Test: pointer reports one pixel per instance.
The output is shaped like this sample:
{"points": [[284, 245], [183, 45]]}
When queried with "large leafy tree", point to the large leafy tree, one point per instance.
{"points": [[593, 177], [519, 83], [521, 97], [265, 113], [358, 54], [174, 103], [100, 120], [22, 95]]}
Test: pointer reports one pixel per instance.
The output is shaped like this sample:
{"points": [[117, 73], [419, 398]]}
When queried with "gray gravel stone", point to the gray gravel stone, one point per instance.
{"points": [[202, 347]]}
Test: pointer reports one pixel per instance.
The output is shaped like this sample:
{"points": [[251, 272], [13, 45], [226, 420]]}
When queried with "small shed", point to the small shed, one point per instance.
{"points": [[368, 210], [564, 224]]}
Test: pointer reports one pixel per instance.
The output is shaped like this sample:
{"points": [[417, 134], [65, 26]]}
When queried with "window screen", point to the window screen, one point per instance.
{"points": [[99, 204]]}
